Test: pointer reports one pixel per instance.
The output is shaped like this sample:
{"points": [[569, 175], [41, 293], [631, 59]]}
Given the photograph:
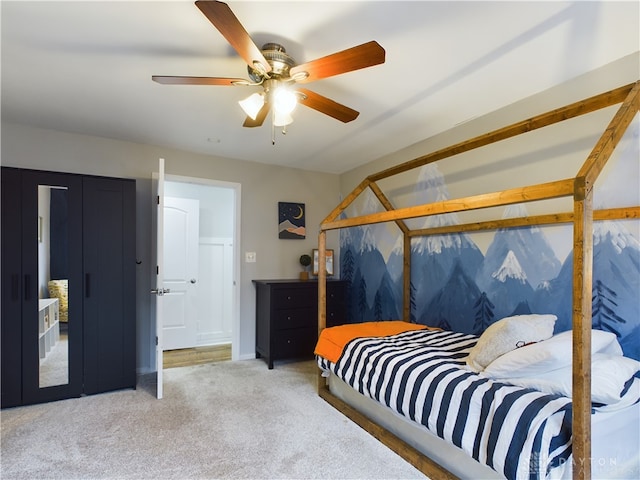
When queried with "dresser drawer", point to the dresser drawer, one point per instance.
{"points": [[336, 316], [335, 295], [294, 297], [295, 342], [295, 318]]}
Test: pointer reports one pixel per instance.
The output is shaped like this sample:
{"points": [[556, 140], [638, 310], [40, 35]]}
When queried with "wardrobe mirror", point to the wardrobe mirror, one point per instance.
{"points": [[53, 286]]}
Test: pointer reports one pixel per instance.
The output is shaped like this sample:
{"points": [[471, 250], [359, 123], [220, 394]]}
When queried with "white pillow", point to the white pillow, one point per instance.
{"points": [[609, 374], [551, 354], [506, 335]]}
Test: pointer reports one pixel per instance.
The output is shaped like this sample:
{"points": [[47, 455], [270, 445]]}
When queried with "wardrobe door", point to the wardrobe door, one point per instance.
{"points": [[109, 284], [51, 231], [11, 320]]}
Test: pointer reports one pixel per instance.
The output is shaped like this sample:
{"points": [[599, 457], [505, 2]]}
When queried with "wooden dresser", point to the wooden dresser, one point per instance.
{"points": [[287, 316]]}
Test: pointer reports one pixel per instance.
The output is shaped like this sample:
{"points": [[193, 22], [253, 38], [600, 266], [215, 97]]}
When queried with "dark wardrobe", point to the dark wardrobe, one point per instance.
{"points": [[68, 285]]}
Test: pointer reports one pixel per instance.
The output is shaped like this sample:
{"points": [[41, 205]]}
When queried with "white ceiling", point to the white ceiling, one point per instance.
{"points": [[86, 67]]}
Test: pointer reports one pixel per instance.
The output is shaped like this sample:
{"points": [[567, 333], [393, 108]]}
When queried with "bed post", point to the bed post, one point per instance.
{"points": [[583, 278], [582, 285], [322, 293]]}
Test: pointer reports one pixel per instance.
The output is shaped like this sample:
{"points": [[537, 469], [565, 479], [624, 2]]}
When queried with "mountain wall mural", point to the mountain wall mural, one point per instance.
{"points": [[455, 286]]}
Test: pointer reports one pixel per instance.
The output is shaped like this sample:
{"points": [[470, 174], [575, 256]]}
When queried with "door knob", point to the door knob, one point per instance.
{"points": [[160, 291], [193, 280]]}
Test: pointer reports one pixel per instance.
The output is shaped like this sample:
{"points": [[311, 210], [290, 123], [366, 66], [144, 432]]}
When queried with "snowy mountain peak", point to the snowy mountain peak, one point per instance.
{"points": [[398, 247], [510, 268], [430, 186], [515, 211], [518, 210], [617, 234], [368, 242], [371, 204], [545, 285]]}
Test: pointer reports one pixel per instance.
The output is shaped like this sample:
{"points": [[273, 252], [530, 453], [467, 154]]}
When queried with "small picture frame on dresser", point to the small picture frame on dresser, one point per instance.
{"points": [[329, 261]]}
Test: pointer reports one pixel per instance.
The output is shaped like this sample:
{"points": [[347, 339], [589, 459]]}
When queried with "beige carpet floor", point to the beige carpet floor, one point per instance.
{"points": [[222, 420]]}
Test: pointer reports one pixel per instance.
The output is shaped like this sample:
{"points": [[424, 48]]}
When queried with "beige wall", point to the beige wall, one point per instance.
{"points": [[262, 188], [621, 72]]}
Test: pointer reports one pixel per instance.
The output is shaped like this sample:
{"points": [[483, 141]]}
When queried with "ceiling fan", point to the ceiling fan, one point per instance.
{"points": [[273, 69]]}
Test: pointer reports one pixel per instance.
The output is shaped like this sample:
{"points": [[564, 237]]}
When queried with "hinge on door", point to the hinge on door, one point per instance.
{"points": [[158, 199], [156, 340], [157, 270]]}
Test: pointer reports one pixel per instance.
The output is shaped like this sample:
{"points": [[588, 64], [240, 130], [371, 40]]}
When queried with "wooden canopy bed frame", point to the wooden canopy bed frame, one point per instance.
{"points": [[579, 187]]}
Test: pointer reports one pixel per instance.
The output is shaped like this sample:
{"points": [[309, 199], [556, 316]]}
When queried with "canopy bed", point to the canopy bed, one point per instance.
{"points": [[583, 434]]}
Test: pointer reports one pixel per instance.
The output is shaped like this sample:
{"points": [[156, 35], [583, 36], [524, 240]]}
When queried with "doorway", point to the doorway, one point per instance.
{"points": [[201, 264]]}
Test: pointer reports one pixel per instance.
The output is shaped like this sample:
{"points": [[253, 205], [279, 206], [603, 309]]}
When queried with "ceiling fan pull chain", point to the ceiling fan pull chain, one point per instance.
{"points": [[273, 126]]}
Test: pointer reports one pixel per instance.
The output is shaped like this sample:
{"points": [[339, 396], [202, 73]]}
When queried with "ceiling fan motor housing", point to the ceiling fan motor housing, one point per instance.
{"points": [[278, 59]]}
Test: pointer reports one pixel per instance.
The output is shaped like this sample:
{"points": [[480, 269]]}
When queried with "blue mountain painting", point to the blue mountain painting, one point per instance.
{"points": [[457, 287]]}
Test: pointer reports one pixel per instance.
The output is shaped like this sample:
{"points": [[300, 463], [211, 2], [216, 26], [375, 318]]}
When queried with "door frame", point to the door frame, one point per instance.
{"points": [[235, 296]]}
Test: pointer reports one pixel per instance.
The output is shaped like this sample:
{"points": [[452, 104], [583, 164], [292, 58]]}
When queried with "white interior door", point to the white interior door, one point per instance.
{"points": [[181, 233], [158, 255]]}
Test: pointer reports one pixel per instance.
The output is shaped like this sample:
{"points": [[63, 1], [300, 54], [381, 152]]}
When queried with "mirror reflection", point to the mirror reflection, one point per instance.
{"points": [[53, 287]]}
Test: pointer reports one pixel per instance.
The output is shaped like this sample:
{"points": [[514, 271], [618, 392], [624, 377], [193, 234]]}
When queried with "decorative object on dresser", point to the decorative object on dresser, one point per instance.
{"points": [[328, 261], [287, 316], [305, 261]]}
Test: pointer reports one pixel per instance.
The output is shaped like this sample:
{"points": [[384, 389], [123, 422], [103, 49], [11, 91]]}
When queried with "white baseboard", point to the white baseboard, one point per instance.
{"points": [[247, 356]]}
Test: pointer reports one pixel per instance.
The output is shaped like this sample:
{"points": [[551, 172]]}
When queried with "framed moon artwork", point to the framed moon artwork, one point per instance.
{"points": [[291, 223]]}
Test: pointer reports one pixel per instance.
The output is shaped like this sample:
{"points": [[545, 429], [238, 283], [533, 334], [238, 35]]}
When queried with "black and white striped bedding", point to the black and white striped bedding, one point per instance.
{"points": [[521, 433]]}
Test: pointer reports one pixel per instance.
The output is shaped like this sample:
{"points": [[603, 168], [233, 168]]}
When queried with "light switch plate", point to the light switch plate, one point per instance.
{"points": [[250, 257]]}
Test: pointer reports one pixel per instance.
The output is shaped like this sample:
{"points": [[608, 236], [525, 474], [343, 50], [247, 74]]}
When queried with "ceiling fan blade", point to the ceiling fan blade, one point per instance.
{"points": [[260, 117], [327, 106], [221, 16], [355, 58], [171, 80]]}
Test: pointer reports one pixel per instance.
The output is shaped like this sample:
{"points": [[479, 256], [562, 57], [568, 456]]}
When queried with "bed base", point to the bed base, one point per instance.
{"points": [[420, 461]]}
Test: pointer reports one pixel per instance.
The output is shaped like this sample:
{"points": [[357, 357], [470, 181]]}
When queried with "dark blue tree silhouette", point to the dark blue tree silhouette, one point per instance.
{"points": [[347, 267], [377, 306], [484, 313], [362, 298], [603, 315], [412, 303]]}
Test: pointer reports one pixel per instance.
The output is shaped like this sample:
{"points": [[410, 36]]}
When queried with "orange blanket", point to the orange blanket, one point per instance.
{"points": [[333, 340]]}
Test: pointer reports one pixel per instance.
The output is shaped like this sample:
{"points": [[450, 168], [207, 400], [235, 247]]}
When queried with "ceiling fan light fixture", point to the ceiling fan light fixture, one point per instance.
{"points": [[252, 105], [284, 100], [281, 119]]}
